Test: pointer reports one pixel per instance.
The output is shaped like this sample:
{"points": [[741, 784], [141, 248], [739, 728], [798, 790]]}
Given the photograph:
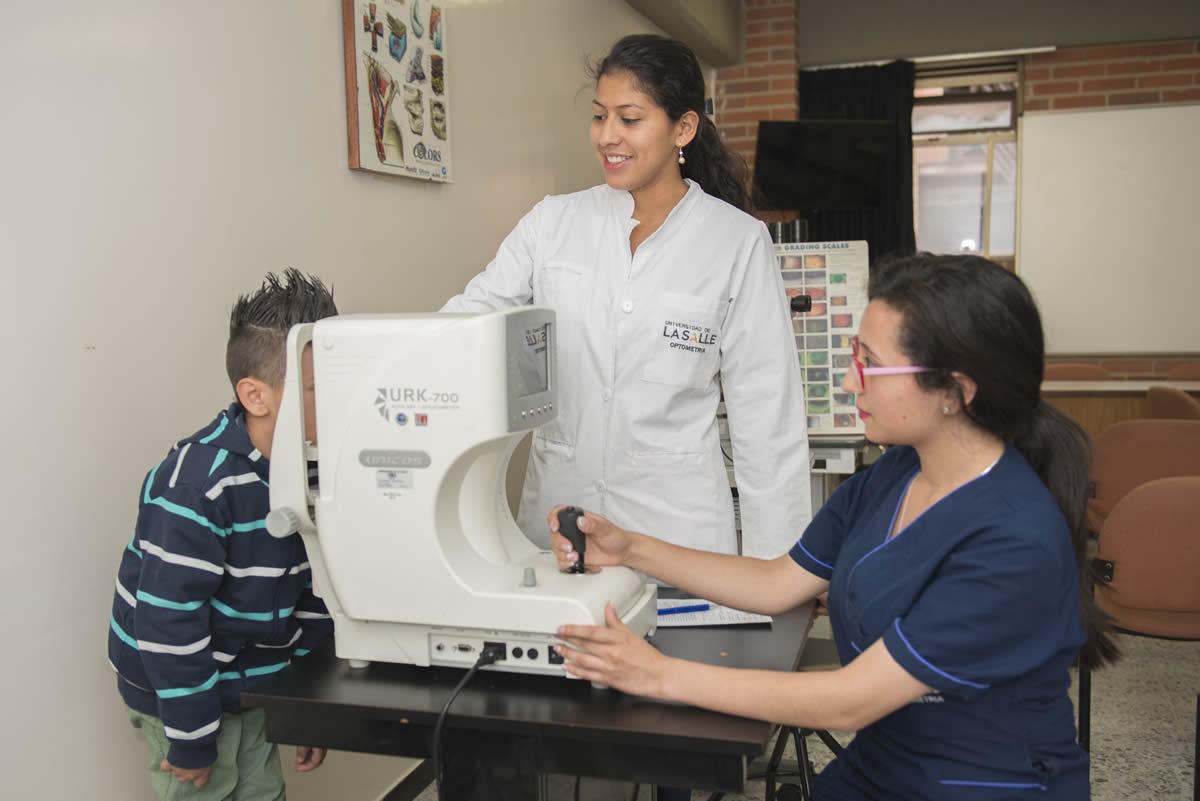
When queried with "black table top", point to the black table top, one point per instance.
{"points": [[547, 707]]}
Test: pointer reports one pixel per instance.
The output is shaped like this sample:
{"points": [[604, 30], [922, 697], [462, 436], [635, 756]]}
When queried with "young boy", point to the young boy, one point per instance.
{"points": [[206, 600]]}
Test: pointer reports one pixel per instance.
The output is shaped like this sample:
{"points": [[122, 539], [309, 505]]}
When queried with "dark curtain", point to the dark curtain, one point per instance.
{"points": [[868, 93]]}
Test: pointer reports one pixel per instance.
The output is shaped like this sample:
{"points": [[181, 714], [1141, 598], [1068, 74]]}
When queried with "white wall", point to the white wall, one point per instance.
{"points": [[1108, 227], [156, 158]]}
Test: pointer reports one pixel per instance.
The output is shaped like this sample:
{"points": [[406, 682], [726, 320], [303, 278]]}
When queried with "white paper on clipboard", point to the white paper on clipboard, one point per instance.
{"points": [[715, 615]]}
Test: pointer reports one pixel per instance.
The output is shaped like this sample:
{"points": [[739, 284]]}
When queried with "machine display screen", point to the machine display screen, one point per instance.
{"points": [[533, 368]]}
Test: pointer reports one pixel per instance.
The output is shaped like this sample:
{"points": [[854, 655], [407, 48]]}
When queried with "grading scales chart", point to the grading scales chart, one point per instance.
{"points": [[834, 275]]}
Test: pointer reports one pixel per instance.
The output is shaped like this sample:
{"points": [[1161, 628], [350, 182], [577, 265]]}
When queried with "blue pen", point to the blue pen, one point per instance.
{"points": [[679, 610]]}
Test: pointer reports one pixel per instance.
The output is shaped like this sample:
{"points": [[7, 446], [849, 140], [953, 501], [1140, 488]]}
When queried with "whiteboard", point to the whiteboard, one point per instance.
{"points": [[1109, 231]]}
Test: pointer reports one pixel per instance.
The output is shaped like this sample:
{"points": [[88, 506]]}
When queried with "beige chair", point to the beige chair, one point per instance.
{"points": [[1146, 566], [1187, 371], [1070, 371], [1169, 403], [1131, 453]]}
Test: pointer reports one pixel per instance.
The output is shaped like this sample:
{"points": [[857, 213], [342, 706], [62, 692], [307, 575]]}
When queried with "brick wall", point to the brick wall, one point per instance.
{"points": [[1113, 75], [763, 87]]}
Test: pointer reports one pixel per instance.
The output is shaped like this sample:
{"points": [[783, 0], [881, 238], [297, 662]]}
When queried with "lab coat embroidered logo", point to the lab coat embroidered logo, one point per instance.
{"points": [[688, 336]]}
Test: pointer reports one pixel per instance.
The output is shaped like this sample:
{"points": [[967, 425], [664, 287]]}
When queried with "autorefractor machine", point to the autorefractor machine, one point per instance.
{"points": [[408, 530]]}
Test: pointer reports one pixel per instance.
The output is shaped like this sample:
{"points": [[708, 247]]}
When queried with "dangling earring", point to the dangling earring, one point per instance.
{"points": [[681, 158]]}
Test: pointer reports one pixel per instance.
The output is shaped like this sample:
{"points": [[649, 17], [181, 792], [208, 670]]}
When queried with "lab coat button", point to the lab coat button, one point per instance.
{"points": [[601, 486], [607, 395], [627, 306]]}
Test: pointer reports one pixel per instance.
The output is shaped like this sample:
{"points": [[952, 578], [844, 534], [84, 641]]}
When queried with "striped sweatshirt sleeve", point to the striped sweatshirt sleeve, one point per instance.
{"points": [[316, 626], [182, 536]]}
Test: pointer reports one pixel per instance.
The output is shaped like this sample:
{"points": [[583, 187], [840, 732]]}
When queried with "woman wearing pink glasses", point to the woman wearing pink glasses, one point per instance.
{"points": [[954, 565]]}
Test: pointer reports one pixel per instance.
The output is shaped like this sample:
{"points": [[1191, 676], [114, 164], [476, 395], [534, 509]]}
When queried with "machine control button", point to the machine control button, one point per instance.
{"points": [[282, 522]]}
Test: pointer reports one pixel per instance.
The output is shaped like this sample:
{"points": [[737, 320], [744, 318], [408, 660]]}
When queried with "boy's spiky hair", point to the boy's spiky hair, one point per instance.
{"points": [[259, 324]]}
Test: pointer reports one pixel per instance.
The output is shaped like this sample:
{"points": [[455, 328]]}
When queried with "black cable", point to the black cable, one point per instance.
{"points": [[577, 778], [637, 790], [488, 656]]}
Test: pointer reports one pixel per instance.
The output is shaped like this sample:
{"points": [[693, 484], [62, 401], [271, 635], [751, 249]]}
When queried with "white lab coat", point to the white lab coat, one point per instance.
{"points": [[645, 345]]}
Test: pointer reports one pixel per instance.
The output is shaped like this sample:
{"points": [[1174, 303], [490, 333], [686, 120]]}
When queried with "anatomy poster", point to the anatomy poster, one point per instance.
{"points": [[834, 275], [397, 104]]}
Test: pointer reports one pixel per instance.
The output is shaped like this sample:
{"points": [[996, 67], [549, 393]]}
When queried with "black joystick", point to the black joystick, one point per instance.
{"points": [[568, 526]]}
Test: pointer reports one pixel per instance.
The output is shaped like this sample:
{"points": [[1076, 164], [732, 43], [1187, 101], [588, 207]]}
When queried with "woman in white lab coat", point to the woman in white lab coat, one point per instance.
{"points": [[667, 292]]}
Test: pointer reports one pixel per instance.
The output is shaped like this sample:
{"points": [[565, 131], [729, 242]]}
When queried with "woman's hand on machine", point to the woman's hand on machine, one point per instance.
{"points": [[607, 544], [614, 656]]}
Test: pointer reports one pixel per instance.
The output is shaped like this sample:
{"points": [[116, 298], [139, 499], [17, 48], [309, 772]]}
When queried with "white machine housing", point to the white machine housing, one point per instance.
{"points": [[412, 543]]}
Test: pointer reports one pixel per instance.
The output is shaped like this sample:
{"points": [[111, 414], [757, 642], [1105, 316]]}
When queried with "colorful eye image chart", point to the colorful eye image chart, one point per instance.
{"points": [[397, 104], [834, 275]]}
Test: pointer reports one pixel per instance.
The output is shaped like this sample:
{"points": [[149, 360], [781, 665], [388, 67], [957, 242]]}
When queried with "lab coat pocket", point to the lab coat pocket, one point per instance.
{"points": [[684, 341], [562, 285], [552, 442]]}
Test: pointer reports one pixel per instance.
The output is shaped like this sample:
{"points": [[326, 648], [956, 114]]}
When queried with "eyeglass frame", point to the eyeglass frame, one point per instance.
{"points": [[863, 371]]}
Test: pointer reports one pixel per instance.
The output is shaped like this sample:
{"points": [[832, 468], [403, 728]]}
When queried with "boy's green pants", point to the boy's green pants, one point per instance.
{"points": [[247, 766]]}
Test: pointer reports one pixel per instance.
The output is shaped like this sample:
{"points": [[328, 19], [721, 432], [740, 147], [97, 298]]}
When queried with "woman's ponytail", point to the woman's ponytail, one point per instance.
{"points": [[1060, 451], [721, 172]]}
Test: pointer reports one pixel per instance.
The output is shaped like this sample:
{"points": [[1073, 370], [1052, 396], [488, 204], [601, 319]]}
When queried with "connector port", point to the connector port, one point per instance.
{"points": [[466, 648], [554, 656], [498, 648]]}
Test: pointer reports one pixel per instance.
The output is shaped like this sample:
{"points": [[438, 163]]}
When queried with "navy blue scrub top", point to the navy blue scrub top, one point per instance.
{"points": [[976, 598]]}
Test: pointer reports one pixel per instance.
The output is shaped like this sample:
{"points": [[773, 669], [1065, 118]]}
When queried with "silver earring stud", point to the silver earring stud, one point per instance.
{"points": [[681, 158], [945, 411]]}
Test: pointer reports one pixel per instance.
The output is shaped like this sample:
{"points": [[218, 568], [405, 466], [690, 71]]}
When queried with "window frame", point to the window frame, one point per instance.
{"points": [[991, 139], [951, 78]]}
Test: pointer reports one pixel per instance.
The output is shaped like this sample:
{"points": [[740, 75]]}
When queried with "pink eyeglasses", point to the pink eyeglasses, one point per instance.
{"points": [[863, 371]]}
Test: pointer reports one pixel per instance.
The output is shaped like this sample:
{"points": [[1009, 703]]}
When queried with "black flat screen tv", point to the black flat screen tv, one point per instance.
{"points": [[822, 165]]}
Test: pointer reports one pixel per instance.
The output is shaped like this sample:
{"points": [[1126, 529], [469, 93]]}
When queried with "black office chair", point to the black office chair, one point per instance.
{"points": [[819, 654]]}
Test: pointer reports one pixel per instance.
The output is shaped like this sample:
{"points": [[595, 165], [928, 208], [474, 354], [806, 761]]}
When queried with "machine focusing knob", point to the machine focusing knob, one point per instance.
{"points": [[282, 522], [568, 526]]}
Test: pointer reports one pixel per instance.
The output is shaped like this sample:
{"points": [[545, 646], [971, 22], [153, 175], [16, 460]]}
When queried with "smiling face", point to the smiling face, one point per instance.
{"points": [[894, 408], [636, 142]]}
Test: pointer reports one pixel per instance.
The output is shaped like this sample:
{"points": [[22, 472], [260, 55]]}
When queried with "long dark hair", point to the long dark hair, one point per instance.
{"points": [[667, 71], [968, 315]]}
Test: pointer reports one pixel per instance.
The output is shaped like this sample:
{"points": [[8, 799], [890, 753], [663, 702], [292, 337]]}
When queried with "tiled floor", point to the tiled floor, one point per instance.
{"points": [[1143, 729]]}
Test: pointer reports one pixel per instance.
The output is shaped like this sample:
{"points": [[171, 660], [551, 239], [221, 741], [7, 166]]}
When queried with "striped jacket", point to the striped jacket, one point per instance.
{"points": [[206, 600]]}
